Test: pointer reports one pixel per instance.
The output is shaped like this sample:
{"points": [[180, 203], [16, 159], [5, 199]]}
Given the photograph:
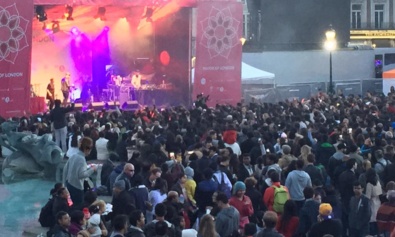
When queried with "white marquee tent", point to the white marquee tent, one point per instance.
{"points": [[250, 75], [253, 75]]}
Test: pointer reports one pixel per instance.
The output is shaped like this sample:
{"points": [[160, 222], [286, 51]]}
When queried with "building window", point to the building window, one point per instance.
{"points": [[378, 16], [356, 16]]}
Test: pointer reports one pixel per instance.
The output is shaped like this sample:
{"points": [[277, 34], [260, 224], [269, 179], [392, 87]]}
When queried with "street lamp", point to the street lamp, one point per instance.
{"points": [[330, 45]]}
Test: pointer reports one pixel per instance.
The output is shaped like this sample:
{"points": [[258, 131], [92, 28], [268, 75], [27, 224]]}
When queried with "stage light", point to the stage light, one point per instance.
{"points": [[55, 26], [101, 13], [69, 13], [106, 28], [41, 15]]}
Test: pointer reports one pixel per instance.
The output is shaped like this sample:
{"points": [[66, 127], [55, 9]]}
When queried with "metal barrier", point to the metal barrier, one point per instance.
{"points": [[276, 93]]}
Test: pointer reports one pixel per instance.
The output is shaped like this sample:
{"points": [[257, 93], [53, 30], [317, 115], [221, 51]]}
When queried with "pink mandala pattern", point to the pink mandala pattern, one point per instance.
{"points": [[13, 29], [219, 32]]}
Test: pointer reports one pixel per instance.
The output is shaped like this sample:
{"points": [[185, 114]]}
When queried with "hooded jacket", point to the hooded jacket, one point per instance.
{"points": [[296, 181], [227, 221]]}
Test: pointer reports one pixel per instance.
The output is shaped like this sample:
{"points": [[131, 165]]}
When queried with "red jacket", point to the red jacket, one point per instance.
{"points": [[244, 207], [268, 197], [290, 229]]}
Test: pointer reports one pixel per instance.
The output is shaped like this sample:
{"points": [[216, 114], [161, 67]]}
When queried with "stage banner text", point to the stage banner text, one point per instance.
{"points": [[218, 52], [15, 56]]}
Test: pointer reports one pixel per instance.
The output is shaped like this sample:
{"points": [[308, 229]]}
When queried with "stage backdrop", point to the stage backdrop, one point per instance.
{"points": [[15, 56], [218, 51]]}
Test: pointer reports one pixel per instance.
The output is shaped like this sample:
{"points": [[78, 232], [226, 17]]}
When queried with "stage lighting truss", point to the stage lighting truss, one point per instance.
{"points": [[101, 13], [41, 15], [68, 14]]}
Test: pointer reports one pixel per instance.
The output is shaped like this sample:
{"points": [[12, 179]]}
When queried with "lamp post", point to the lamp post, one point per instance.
{"points": [[330, 45]]}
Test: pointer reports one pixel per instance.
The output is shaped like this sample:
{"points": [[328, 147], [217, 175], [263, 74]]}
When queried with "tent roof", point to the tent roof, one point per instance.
{"points": [[253, 74], [389, 74]]}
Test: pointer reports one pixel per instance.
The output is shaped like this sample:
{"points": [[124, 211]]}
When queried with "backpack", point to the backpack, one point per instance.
{"points": [[222, 187], [280, 197], [46, 217]]}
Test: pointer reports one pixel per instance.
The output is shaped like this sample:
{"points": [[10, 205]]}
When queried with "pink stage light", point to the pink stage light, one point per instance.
{"points": [[106, 28]]}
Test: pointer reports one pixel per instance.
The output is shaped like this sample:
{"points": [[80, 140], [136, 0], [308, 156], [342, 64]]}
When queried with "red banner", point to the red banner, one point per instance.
{"points": [[219, 51], [15, 56]]}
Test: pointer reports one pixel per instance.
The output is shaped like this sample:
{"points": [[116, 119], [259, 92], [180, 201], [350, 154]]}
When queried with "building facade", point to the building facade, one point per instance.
{"points": [[372, 22]]}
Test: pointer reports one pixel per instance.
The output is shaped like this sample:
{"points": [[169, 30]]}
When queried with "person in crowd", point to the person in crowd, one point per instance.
{"points": [[381, 162], [58, 118], [51, 94], [95, 222], [157, 195], [242, 203], [270, 194], [120, 226], [326, 224], [245, 169], [389, 173], [61, 201], [255, 196], [140, 194], [366, 165], [78, 224], [270, 219], [359, 213], [296, 181], [227, 220], [173, 206], [76, 171], [205, 190], [160, 213], [286, 157], [207, 227], [309, 212], [61, 229], [126, 175], [101, 147], [122, 202], [386, 214], [190, 185], [230, 139], [312, 170], [373, 192], [155, 174], [74, 140], [288, 222], [47, 217], [137, 222], [346, 182]]}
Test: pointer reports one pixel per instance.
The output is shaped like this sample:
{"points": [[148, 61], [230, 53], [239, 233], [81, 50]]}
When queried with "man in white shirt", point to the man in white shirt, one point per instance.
{"points": [[101, 147]]}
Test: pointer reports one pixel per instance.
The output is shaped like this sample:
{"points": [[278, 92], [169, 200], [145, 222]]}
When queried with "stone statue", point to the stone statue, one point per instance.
{"points": [[31, 154]]}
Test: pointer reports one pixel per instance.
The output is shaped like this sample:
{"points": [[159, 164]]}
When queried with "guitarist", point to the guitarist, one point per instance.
{"points": [[51, 94], [65, 87]]}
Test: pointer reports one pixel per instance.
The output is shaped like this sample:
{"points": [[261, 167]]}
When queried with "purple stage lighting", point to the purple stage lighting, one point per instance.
{"points": [[106, 28]]}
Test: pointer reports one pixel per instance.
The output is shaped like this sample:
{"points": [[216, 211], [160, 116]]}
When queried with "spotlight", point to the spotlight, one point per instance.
{"points": [[55, 26], [101, 13], [106, 28], [68, 14], [41, 15]]}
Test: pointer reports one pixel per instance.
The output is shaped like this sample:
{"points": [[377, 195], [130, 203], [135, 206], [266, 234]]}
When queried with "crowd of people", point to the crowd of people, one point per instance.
{"points": [[318, 167]]}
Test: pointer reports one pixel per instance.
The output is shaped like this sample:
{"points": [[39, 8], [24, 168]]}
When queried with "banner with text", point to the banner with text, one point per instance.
{"points": [[218, 52], [15, 56]]}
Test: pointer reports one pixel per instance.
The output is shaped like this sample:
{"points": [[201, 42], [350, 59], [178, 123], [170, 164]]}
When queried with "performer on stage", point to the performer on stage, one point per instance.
{"points": [[65, 87], [51, 94], [136, 80]]}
